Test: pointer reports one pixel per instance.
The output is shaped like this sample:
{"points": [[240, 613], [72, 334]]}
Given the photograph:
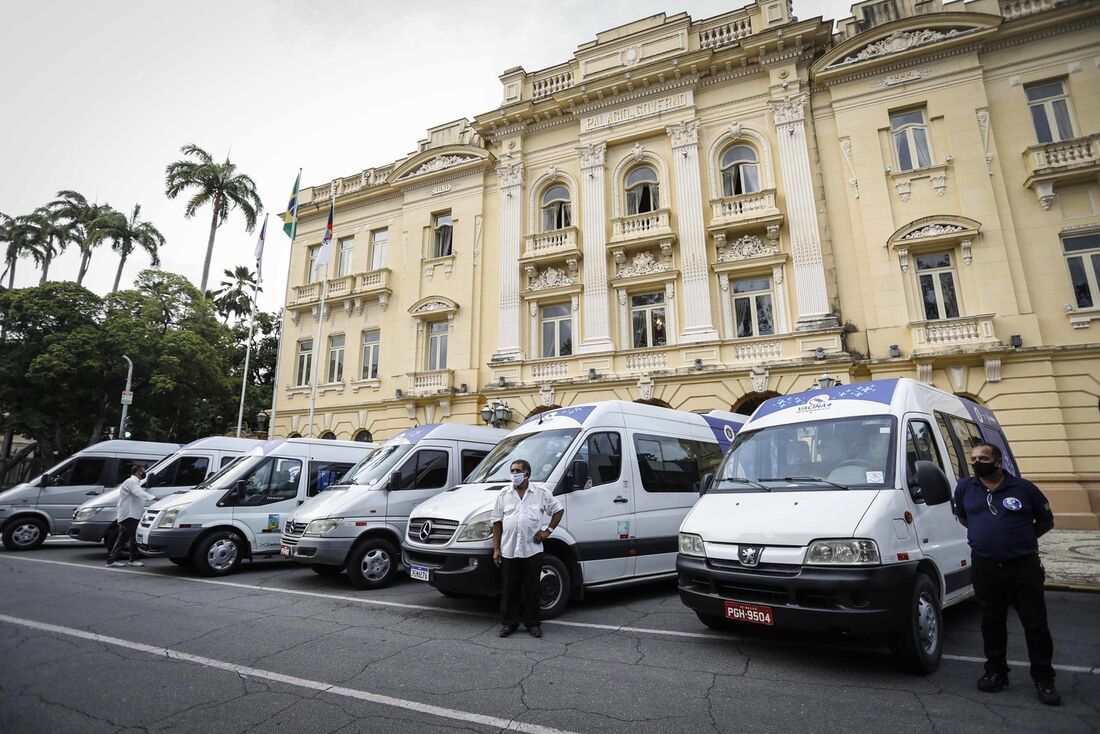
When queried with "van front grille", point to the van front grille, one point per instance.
{"points": [[438, 532], [292, 532]]}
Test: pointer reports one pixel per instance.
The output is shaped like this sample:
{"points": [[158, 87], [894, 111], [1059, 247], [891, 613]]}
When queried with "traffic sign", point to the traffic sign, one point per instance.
{"points": [[127, 397]]}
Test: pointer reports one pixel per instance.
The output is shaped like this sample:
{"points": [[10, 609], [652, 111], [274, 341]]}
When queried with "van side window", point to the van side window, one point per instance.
{"points": [[273, 480], [190, 470], [83, 470], [920, 445], [323, 474], [969, 435], [962, 468], [470, 459], [603, 453], [674, 464], [124, 467], [226, 461], [427, 469]]}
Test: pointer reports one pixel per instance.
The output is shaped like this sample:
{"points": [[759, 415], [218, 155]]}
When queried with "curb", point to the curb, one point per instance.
{"points": [[1066, 586]]}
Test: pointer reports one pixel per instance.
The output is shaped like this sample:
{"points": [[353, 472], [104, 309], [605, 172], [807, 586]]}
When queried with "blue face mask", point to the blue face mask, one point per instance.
{"points": [[517, 479]]}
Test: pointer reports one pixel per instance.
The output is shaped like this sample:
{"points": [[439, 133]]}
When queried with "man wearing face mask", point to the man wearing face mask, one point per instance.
{"points": [[518, 534], [131, 506], [1004, 516]]}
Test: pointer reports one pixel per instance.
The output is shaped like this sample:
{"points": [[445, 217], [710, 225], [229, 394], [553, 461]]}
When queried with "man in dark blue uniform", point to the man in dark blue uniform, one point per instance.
{"points": [[1004, 516]]}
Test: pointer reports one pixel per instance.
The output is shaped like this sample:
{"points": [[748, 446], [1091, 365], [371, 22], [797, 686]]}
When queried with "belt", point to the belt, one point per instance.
{"points": [[1014, 561]]}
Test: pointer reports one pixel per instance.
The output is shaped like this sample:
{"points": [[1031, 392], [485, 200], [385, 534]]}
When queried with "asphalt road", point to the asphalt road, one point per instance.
{"points": [[90, 649]]}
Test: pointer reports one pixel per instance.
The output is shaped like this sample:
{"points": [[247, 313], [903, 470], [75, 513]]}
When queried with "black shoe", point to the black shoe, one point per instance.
{"points": [[1048, 694], [993, 682], [535, 631], [508, 629]]}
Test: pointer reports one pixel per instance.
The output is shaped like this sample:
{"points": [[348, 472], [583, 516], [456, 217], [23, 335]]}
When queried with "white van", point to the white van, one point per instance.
{"points": [[96, 520], [627, 473], [44, 505], [832, 513], [241, 512], [358, 524]]}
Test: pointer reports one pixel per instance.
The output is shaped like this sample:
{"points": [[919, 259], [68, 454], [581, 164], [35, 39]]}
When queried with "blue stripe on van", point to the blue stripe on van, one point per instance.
{"points": [[724, 430], [413, 435], [878, 391], [578, 413]]}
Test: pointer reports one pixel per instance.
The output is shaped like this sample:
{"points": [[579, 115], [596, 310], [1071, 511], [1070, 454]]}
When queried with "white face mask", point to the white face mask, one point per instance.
{"points": [[517, 479]]}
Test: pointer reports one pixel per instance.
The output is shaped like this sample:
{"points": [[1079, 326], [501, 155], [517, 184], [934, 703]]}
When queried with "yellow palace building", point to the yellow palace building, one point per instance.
{"points": [[707, 213]]}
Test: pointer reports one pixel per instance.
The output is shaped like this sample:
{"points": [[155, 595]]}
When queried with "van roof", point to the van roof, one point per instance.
{"points": [[453, 431], [279, 445], [894, 396], [225, 443], [124, 446]]}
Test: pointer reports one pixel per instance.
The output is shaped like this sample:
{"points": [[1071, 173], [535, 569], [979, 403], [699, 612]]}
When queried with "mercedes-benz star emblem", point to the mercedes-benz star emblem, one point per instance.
{"points": [[749, 555], [426, 530]]}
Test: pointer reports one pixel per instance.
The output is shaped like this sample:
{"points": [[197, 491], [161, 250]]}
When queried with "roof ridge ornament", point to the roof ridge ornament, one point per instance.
{"points": [[899, 41]]}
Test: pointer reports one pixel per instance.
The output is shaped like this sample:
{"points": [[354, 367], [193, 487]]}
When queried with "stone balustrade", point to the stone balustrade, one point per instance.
{"points": [[641, 226], [549, 370], [342, 286], [546, 243], [963, 332], [1065, 154], [743, 207], [756, 352], [1013, 9], [725, 34], [554, 81], [647, 361], [306, 293], [372, 280], [432, 382]]}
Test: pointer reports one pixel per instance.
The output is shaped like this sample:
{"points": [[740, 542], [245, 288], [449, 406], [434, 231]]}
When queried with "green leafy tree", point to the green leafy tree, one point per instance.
{"points": [[237, 293], [46, 235], [13, 247], [216, 184], [85, 220], [128, 234]]}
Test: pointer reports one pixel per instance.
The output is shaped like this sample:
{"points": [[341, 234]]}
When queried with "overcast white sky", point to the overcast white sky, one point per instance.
{"points": [[99, 96]]}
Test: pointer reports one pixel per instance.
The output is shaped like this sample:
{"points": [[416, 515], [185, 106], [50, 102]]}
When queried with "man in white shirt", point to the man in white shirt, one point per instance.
{"points": [[131, 506], [518, 533]]}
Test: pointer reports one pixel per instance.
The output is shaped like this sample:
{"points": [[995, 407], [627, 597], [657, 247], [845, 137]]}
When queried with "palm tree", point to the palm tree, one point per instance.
{"points": [[128, 234], [217, 184], [86, 220], [45, 235], [237, 293], [12, 247]]}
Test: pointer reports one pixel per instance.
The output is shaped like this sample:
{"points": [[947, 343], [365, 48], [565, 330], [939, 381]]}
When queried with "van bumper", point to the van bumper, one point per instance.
{"points": [[90, 531], [471, 573], [861, 601], [322, 551], [171, 542]]}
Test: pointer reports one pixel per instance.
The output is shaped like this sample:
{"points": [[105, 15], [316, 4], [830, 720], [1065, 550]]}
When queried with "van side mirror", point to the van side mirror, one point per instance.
{"points": [[395, 481], [153, 480], [580, 474], [241, 488], [705, 482], [44, 481], [933, 483]]}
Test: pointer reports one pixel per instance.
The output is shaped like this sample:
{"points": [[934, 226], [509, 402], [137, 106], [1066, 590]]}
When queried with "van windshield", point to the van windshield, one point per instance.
{"points": [[542, 449], [376, 466], [211, 480], [853, 453]]}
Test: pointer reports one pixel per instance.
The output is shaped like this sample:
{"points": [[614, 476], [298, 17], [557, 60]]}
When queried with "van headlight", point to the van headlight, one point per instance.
{"points": [[692, 545], [320, 527], [87, 513], [479, 528], [168, 518], [847, 552]]}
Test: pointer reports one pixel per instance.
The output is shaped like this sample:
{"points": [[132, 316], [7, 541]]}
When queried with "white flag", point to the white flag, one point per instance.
{"points": [[325, 254], [260, 247]]}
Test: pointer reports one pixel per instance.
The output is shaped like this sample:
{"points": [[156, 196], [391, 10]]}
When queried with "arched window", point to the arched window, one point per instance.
{"points": [[295, 434], [740, 171], [642, 191], [328, 436], [363, 436], [556, 212], [750, 402]]}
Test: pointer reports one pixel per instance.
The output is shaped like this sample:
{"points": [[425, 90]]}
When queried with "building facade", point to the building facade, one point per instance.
{"points": [[707, 213]]}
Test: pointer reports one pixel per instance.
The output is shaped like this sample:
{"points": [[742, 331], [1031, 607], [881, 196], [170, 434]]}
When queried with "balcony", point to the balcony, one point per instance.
{"points": [[555, 245], [744, 211], [964, 333], [641, 228], [551, 370], [1051, 163], [371, 284], [548, 82], [424, 384], [1013, 9]]}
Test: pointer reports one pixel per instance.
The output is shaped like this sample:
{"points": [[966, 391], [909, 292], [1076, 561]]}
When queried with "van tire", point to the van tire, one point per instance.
{"points": [[327, 571], [372, 564], [182, 562], [918, 644], [25, 533], [715, 622], [554, 586], [218, 554]]}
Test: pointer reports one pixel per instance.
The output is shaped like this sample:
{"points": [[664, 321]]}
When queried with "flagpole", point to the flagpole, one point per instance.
{"points": [[320, 320], [244, 378], [292, 210]]}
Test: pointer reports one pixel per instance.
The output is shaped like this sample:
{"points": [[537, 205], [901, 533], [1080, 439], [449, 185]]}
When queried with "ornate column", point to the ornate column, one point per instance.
{"points": [[794, 158], [596, 333], [698, 325], [510, 176]]}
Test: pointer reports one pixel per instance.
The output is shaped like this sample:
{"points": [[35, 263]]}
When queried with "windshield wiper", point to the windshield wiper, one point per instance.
{"points": [[744, 480], [805, 479]]}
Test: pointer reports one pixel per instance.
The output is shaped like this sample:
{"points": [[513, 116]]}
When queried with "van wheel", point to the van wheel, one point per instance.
{"points": [[553, 586], [918, 645], [182, 562], [218, 554], [372, 564], [25, 533], [714, 621], [328, 571]]}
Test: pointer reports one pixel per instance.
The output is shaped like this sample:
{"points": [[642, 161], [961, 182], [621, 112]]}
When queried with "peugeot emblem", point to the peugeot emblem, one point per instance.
{"points": [[749, 555], [426, 530]]}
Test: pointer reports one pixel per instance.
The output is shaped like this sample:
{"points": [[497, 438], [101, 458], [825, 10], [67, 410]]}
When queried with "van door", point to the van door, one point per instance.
{"points": [[939, 534], [598, 516], [264, 497], [669, 470], [424, 473], [69, 487]]}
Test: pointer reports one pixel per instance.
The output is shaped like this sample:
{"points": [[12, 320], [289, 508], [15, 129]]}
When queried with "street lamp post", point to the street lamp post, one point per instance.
{"points": [[126, 395]]}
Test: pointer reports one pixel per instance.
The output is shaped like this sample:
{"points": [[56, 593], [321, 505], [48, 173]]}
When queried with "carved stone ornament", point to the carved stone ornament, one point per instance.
{"points": [[551, 278], [897, 42], [791, 108], [684, 133], [510, 174], [637, 152], [441, 163], [932, 230], [759, 377], [746, 247], [592, 155], [644, 263], [939, 184], [551, 171], [646, 388], [546, 395], [903, 188], [431, 306], [735, 129]]}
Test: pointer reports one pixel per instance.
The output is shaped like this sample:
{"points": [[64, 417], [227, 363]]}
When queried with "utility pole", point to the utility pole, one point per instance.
{"points": [[127, 396]]}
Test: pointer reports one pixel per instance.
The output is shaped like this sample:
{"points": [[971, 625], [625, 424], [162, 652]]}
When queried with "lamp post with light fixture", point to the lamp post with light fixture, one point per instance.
{"points": [[496, 414]]}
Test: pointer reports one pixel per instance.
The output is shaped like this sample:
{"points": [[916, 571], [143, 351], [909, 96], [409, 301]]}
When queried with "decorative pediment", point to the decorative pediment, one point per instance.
{"points": [[643, 263], [897, 42], [745, 248], [551, 276], [432, 306], [937, 228], [437, 160]]}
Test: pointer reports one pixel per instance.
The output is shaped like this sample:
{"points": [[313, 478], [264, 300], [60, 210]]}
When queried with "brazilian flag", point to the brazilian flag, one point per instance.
{"points": [[290, 217]]}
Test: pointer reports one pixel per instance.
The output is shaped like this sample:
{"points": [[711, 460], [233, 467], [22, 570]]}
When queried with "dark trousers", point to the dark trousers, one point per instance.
{"points": [[127, 530], [519, 597], [1017, 583]]}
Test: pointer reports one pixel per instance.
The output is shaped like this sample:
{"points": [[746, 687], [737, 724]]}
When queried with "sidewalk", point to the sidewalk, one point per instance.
{"points": [[1071, 559]]}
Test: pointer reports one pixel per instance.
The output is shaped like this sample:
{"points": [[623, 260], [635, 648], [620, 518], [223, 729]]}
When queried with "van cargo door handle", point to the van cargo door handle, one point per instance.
{"points": [[620, 500]]}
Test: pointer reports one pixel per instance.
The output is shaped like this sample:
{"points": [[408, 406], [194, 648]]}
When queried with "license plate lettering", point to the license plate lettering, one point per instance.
{"points": [[752, 613], [284, 550], [420, 573]]}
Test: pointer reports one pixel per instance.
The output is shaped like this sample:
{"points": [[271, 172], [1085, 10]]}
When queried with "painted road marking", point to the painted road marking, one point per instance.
{"points": [[244, 670], [1095, 669]]}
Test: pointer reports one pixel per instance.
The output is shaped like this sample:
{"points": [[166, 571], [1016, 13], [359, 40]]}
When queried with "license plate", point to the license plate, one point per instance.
{"points": [[738, 612], [420, 573], [284, 550], [140, 536]]}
